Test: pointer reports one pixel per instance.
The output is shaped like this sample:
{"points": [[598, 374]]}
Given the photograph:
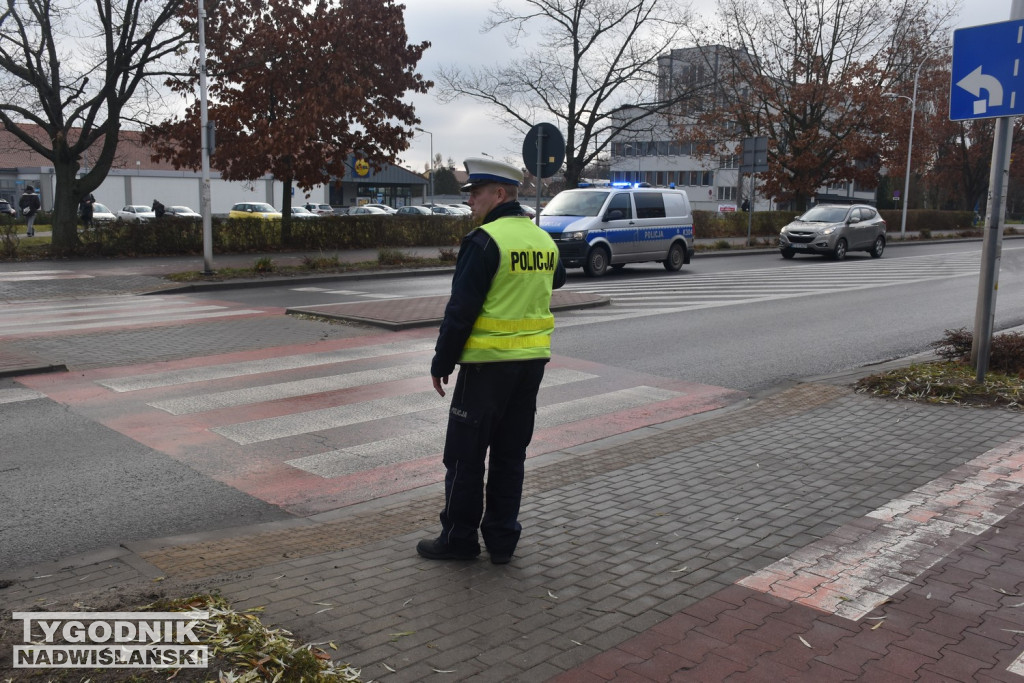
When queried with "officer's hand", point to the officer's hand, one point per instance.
{"points": [[437, 384]]}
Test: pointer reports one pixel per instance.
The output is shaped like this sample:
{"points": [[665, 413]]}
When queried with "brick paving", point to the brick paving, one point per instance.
{"points": [[697, 550]]}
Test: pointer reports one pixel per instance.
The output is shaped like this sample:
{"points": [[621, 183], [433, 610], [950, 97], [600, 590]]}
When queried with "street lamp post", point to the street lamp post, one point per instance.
{"points": [[910, 143], [639, 161], [431, 162]]}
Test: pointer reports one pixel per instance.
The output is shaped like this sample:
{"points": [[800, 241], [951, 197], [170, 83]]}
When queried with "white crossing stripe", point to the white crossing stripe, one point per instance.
{"points": [[255, 367], [255, 431], [30, 275], [430, 440], [342, 416], [240, 397], [104, 312], [18, 395]]}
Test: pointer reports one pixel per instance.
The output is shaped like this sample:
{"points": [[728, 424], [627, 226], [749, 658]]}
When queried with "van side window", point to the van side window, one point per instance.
{"points": [[620, 202], [675, 204], [649, 205]]}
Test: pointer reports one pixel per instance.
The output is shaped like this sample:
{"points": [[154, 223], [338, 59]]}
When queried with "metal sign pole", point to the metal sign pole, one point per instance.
{"points": [[988, 284], [540, 163], [205, 207]]}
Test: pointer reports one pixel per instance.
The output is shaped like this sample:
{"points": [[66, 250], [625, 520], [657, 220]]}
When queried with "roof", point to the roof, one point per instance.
{"points": [[132, 154]]}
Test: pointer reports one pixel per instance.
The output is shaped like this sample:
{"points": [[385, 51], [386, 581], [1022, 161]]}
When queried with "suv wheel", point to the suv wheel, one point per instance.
{"points": [[878, 248], [839, 253]]}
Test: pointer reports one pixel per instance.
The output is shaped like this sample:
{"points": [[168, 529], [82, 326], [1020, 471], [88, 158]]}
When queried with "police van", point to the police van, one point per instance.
{"points": [[607, 227]]}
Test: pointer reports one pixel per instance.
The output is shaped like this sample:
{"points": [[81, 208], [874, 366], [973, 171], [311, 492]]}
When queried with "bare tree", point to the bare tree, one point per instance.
{"points": [[809, 74], [70, 74], [594, 70]]}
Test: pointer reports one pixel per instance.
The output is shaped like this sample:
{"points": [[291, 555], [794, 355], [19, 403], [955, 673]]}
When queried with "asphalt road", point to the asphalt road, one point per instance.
{"points": [[852, 313]]}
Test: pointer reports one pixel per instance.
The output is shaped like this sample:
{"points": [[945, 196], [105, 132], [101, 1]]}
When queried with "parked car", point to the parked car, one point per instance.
{"points": [[366, 210], [383, 207], [6, 209], [101, 214], [414, 211], [461, 209], [445, 210], [182, 212], [134, 213], [253, 210], [528, 209], [319, 209], [302, 212], [834, 230]]}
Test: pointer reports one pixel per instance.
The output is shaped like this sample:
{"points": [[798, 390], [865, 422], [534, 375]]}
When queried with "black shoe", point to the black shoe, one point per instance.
{"points": [[434, 549], [501, 558]]}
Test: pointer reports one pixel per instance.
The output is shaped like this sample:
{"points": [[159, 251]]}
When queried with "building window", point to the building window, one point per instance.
{"points": [[727, 194]]}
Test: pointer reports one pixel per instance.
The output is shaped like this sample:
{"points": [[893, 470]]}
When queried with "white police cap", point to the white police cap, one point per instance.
{"points": [[484, 171]]}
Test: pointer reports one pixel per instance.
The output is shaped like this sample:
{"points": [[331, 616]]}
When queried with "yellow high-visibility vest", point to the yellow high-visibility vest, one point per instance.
{"points": [[515, 322]]}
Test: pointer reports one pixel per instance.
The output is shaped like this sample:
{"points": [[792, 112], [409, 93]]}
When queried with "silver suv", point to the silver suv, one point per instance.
{"points": [[834, 230]]}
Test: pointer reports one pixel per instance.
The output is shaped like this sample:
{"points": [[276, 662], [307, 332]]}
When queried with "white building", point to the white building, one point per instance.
{"points": [[135, 178]]}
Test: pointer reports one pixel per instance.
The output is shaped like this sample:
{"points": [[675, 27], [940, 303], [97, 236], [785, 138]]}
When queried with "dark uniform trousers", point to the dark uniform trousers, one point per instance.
{"points": [[494, 404]]}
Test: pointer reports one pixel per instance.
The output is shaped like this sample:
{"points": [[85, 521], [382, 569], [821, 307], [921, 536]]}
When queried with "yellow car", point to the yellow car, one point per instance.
{"points": [[254, 210]]}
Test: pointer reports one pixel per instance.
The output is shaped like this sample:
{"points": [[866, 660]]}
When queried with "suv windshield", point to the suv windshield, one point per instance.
{"points": [[825, 214], [575, 204]]}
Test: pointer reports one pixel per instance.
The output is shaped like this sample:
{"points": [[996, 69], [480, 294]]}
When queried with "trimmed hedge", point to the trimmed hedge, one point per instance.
{"points": [[240, 235], [711, 225]]}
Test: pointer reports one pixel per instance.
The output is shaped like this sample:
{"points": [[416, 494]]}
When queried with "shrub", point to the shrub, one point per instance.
{"points": [[263, 265], [1006, 354], [447, 254], [320, 262], [9, 239]]}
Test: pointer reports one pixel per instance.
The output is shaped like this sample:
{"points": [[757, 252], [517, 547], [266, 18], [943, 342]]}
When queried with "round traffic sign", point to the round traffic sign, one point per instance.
{"points": [[544, 143]]}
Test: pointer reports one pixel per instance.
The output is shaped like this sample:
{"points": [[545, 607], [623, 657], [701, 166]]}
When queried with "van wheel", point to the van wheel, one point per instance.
{"points": [[597, 262], [675, 259]]}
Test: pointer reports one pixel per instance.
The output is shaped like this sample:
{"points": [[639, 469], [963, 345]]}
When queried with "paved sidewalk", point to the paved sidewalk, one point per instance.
{"points": [[813, 534]]}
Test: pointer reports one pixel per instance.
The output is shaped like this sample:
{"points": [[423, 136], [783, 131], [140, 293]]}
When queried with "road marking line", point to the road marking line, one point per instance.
{"points": [[430, 440], [903, 539], [18, 395], [255, 367]]}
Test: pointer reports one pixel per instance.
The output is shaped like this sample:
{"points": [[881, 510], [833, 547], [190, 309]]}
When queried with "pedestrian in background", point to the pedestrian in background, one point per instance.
{"points": [[85, 209], [159, 209], [30, 205], [497, 326]]}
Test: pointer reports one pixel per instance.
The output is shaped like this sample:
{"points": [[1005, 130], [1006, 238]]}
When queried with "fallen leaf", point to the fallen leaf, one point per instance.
{"points": [[804, 641]]}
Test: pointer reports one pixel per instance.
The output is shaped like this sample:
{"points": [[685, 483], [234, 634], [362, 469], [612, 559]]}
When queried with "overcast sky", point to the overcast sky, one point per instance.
{"points": [[465, 128]]}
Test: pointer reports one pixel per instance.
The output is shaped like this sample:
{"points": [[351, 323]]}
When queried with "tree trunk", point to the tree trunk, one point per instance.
{"points": [[65, 209]]}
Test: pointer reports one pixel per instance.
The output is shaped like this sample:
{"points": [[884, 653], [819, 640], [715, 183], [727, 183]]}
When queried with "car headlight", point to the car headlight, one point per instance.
{"points": [[578, 235], [829, 230]]}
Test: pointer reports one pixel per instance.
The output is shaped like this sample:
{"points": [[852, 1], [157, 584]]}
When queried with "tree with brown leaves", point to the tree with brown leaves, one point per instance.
{"points": [[299, 89], [809, 75]]}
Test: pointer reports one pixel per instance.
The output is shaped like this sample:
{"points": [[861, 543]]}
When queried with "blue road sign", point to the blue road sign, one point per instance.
{"points": [[988, 79]]}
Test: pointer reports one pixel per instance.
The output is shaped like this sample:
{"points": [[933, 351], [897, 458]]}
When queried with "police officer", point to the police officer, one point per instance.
{"points": [[497, 326]]}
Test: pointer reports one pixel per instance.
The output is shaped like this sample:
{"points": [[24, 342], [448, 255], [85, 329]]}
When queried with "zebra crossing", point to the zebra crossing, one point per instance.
{"points": [[312, 429], [638, 297], [87, 314]]}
